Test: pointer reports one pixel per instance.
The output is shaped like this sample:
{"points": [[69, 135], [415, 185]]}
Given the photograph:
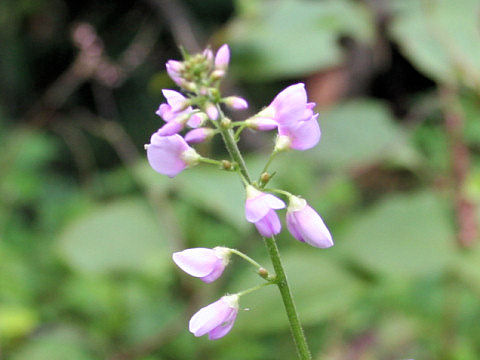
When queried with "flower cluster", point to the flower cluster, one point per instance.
{"points": [[169, 153]]}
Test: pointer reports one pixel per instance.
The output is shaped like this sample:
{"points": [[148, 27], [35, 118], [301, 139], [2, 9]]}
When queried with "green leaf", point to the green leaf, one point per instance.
{"points": [[216, 191], [403, 235], [440, 37], [320, 289], [277, 39], [361, 132], [124, 235], [16, 321]]}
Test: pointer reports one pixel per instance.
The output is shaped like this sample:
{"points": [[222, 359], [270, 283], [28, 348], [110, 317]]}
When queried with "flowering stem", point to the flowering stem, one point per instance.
{"points": [[239, 131], [280, 278], [245, 292], [270, 159], [210, 161], [278, 191], [247, 258]]}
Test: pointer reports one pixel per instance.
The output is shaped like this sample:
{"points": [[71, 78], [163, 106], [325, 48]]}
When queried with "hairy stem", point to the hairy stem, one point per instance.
{"points": [[281, 278]]}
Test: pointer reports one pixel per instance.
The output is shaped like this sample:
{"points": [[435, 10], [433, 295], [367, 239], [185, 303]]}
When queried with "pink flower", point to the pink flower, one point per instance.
{"points": [[199, 135], [216, 319], [206, 264], [306, 225], [169, 155], [174, 69], [302, 135], [176, 112], [297, 124], [259, 209]]}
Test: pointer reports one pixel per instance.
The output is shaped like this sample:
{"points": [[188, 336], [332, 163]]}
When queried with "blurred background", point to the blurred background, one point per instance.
{"points": [[87, 228]]}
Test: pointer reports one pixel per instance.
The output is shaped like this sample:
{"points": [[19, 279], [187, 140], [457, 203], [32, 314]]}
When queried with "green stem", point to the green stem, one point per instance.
{"points": [[245, 292], [270, 159], [281, 278], [210, 161], [247, 258], [295, 325]]}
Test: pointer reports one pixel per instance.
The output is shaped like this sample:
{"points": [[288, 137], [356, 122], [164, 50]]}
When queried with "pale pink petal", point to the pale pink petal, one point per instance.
{"points": [[293, 227], [256, 208], [273, 202], [195, 121], [209, 317], [198, 135], [225, 327], [313, 229], [216, 272], [262, 123], [174, 98], [164, 154], [222, 58], [198, 262], [165, 112], [170, 128], [269, 225], [303, 135]]}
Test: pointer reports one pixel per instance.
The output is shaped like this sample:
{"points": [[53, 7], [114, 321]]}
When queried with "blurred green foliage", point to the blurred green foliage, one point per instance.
{"points": [[87, 228]]}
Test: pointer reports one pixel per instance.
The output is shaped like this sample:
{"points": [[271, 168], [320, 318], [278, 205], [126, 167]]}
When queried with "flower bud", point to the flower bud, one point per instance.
{"points": [[236, 102], [206, 264], [217, 74], [227, 165], [199, 135], [222, 58], [216, 319], [263, 273], [170, 155], [260, 123], [306, 225], [226, 123], [211, 111], [265, 177], [260, 210]]}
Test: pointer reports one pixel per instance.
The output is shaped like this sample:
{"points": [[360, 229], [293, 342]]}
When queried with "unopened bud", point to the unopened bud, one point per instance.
{"points": [[188, 85], [263, 273], [217, 74], [236, 102], [225, 123], [227, 165], [222, 58], [265, 177], [211, 111]]}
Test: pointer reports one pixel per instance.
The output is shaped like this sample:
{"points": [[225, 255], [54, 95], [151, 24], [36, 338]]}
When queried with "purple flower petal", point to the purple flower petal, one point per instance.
{"points": [[164, 154], [170, 128], [262, 124], [225, 327], [198, 135], [269, 225], [216, 272], [222, 58], [198, 262], [303, 135], [306, 225], [211, 317]]}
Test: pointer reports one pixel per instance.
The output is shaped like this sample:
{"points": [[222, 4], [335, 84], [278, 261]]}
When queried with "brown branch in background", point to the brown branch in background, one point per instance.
{"points": [[460, 160], [180, 23], [91, 63]]}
